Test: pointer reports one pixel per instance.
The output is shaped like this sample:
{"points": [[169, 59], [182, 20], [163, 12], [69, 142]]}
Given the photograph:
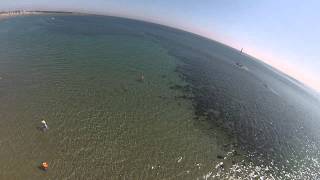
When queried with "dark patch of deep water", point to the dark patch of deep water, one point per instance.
{"points": [[271, 116]]}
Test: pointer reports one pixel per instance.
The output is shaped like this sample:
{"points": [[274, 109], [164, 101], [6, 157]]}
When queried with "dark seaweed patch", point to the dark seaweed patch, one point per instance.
{"points": [[233, 100]]}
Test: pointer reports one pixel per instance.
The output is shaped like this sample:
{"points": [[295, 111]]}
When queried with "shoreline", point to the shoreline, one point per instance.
{"points": [[9, 14]]}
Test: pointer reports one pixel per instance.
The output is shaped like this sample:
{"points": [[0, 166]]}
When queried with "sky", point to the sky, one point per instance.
{"points": [[284, 34]]}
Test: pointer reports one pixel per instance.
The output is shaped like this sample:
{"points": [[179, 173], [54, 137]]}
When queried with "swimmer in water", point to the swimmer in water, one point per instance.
{"points": [[44, 166], [142, 77]]}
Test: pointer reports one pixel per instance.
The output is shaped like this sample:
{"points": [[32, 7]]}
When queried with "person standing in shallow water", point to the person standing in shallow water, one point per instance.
{"points": [[44, 125]]}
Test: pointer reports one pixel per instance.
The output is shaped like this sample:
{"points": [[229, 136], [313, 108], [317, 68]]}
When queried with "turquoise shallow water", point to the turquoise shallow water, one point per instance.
{"points": [[203, 110], [104, 123]]}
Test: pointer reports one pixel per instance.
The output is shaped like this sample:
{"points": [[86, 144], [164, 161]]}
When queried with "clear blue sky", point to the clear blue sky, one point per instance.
{"points": [[283, 33]]}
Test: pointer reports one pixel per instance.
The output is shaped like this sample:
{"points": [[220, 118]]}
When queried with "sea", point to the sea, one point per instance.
{"points": [[126, 99]]}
